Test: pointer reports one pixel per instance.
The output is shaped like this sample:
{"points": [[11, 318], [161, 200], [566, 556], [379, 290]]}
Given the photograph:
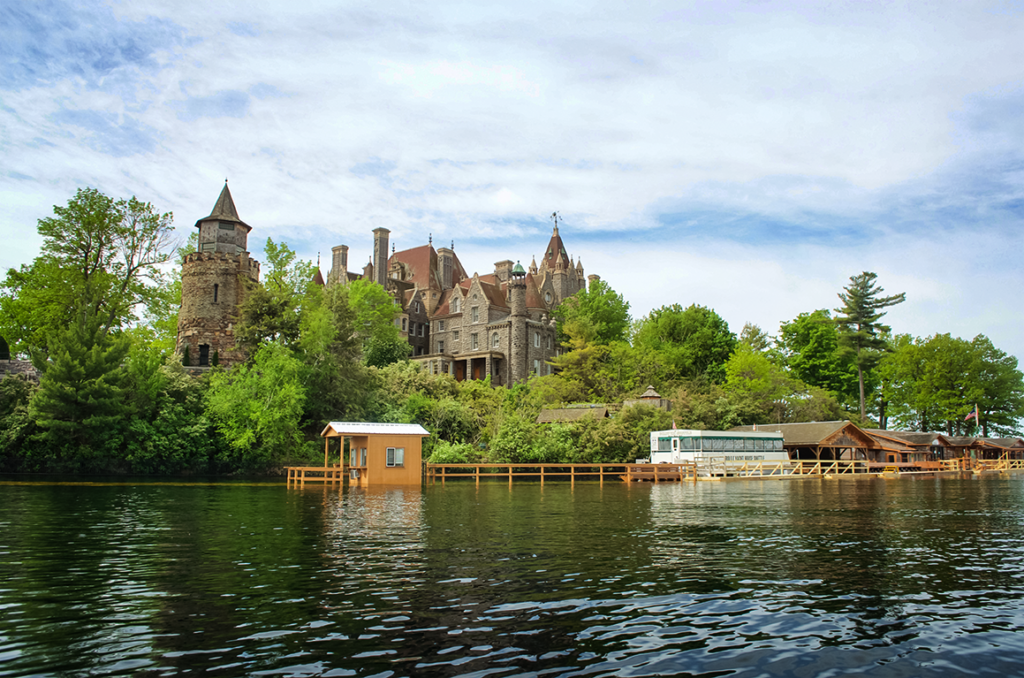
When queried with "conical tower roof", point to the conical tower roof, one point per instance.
{"points": [[225, 210], [554, 251]]}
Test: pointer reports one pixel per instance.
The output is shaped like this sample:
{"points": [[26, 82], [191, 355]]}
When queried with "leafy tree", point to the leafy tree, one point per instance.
{"points": [[692, 342], [859, 326], [753, 336], [272, 310], [1001, 403], [596, 315], [99, 256], [809, 347], [330, 350], [375, 324], [258, 407]]}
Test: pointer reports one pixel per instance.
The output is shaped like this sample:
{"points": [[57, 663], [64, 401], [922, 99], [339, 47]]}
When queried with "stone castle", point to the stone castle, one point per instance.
{"points": [[498, 324]]}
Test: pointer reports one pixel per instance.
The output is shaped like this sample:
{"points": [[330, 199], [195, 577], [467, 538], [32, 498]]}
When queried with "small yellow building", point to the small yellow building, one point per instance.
{"points": [[379, 454]]}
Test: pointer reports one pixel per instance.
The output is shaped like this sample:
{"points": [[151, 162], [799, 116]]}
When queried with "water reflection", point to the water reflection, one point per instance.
{"points": [[755, 578]]}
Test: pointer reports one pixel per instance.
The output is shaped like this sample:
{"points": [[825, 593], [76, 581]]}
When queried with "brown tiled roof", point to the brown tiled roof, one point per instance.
{"points": [[224, 210], [805, 433], [554, 250], [533, 298], [571, 414], [420, 262], [495, 297]]}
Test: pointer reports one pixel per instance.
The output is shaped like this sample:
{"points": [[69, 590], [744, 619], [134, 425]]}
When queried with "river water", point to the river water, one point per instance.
{"points": [[796, 578]]}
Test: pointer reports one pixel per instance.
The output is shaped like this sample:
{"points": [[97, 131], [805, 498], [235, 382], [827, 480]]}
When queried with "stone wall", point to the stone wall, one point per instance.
{"points": [[16, 367], [212, 289]]}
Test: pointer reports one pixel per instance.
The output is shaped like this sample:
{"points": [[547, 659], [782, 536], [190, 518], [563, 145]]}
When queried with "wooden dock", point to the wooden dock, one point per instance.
{"points": [[571, 472], [300, 475]]}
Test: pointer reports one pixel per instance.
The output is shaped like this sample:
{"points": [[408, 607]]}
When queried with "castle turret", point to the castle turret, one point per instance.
{"points": [[213, 287], [518, 347], [446, 264]]}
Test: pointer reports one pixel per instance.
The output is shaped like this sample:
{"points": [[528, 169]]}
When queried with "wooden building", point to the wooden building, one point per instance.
{"points": [[378, 454]]}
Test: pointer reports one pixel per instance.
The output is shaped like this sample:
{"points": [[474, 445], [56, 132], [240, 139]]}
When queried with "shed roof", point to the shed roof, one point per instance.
{"points": [[362, 428]]}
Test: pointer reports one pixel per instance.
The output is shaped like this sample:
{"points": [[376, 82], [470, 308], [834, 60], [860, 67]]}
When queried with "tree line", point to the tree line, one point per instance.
{"points": [[96, 312]]}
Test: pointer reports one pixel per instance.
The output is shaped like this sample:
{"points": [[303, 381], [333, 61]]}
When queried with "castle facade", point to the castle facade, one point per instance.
{"points": [[496, 325]]}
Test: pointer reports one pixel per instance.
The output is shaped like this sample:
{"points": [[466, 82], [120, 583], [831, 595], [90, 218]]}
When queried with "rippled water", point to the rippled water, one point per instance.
{"points": [[799, 578]]}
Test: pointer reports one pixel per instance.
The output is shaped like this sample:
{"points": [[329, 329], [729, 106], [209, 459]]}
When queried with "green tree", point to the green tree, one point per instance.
{"points": [[692, 343], [809, 347], [375, 324], [753, 336], [859, 326], [596, 315], [99, 256], [81, 399], [258, 407], [1001, 403], [272, 309]]}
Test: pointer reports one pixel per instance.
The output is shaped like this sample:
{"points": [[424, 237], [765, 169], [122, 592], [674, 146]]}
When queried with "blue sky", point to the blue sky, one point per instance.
{"points": [[746, 156]]}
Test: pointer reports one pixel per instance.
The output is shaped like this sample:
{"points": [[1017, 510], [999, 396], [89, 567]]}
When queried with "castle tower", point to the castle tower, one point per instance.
{"points": [[518, 358], [339, 265], [213, 287], [380, 256]]}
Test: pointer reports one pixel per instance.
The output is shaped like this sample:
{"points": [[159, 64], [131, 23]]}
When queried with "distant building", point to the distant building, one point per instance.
{"points": [[498, 324]]}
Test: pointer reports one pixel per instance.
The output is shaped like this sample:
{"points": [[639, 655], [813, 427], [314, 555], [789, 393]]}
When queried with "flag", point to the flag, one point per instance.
{"points": [[673, 424], [973, 415]]}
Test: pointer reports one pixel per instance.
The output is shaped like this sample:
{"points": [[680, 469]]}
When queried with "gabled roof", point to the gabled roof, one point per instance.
{"points": [[533, 298], [421, 263], [362, 428], [815, 433], [916, 438], [225, 210]]}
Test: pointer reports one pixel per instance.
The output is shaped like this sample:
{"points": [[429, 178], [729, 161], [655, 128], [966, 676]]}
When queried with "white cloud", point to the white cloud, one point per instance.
{"points": [[745, 156]]}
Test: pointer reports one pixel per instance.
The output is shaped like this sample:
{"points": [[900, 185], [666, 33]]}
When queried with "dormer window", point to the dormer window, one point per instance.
{"points": [[455, 305]]}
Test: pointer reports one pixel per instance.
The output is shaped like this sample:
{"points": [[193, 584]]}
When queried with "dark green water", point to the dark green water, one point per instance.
{"points": [[801, 578]]}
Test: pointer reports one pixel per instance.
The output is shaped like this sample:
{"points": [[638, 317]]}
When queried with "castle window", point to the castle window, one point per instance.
{"points": [[440, 347], [404, 320], [547, 297], [455, 335], [224, 226], [440, 326], [204, 355], [216, 289], [549, 342], [476, 314], [495, 340], [474, 345], [536, 367], [536, 339], [421, 329], [455, 305]]}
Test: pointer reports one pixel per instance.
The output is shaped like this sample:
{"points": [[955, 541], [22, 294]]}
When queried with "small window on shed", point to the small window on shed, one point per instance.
{"points": [[395, 456]]}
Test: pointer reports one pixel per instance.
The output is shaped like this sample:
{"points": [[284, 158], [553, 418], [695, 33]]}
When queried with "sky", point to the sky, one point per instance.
{"points": [[745, 156]]}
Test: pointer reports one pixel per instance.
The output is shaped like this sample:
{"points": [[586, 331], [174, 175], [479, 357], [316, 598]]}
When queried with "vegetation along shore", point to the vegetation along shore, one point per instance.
{"points": [[96, 378]]}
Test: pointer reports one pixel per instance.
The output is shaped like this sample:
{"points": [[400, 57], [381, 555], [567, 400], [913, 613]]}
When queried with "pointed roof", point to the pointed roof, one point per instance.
{"points": [[555, 249], [318, 278], [225, 210]]}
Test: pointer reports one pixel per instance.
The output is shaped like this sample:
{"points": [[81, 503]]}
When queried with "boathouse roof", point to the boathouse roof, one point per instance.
{"points": [[362, 428], [812, 433]]}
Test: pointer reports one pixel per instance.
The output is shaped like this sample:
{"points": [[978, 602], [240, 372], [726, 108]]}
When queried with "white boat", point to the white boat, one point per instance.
{"points": [[730, 447]]}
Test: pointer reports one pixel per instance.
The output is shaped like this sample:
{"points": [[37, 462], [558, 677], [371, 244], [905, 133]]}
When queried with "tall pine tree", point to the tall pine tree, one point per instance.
{"points": [[859, 329]]}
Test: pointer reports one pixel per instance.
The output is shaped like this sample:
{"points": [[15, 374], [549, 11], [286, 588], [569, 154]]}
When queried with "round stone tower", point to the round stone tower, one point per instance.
{"points": [[213, 287], [518, 352]]}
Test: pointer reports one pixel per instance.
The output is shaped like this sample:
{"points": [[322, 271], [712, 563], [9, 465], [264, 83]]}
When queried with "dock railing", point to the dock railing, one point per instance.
{"points": [[316, 474], [570, 472]]}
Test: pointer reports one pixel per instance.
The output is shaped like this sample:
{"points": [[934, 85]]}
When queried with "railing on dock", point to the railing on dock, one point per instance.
{"points": [[316, 474], [570, 472]]}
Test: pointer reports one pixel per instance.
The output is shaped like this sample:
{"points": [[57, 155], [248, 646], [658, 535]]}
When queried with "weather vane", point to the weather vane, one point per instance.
{"points": [[556, 217]]}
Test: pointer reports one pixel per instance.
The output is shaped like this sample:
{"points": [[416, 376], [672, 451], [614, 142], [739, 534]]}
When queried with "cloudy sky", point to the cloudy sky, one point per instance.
{"points": [[746, 156]]}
